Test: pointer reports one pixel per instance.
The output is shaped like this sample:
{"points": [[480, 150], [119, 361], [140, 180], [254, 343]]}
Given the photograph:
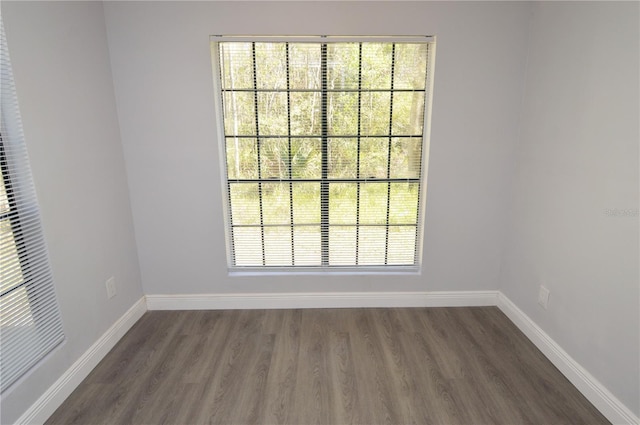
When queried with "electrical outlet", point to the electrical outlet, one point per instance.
{"points": [[111, 287], [543, 297]]}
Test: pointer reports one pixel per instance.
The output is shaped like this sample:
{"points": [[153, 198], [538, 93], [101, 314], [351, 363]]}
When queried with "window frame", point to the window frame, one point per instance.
{"points": [[324, 268], [34, 327]]}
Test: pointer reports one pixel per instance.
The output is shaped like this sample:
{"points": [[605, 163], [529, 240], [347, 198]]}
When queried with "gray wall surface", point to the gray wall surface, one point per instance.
{"points": [[574, 217]]}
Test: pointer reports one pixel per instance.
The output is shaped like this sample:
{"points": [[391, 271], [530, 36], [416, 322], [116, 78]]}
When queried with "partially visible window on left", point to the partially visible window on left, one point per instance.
{"points": [[30, 325]]}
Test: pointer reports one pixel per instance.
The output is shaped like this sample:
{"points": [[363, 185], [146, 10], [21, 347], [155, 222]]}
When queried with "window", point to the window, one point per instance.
{"points": [[30, 325], [324, 140]]}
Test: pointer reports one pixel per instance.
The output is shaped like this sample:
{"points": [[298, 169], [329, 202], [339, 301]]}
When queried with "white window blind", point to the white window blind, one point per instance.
{"points": [[30, 325], [324, 147]]}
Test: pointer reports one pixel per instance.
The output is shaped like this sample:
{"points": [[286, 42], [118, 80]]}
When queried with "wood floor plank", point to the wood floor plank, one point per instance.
{"points": [[324, 366], [314, 396], [284, 365], [207, 355], [402, 374], [380, 402], [436, 332], [429, 383], [226, 384]]}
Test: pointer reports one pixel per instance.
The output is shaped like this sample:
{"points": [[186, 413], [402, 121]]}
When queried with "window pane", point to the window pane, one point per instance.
{"points": [[306, 243], [242, 158], [342, 246], [342, 113], [403, 203], [374, 119], [277, 246], [271, 66], [306, 203], [272, 114], [274, 158], [245, 203], [10, 272], [342, 66], [343, 158], [343, 203], [304, 66], [373, 203], [247, 246], [410, 66], [373, 158], [239, 114], [306, 119], [275, 203], [376, 65], [13, 325], [371, 245], [408, 111], [306, 158], [406, 157], [237, 65], [402, 244]]}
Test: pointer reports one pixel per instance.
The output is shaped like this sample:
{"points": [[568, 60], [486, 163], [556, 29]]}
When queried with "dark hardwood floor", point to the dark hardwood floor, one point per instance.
{"points": [[329, 366]]}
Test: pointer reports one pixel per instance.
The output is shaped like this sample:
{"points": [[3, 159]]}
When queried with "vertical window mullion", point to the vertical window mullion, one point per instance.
{"points": [[324, 185], [258, 143], [386, 237], [357, 254], [293, 253], [231, 227]]}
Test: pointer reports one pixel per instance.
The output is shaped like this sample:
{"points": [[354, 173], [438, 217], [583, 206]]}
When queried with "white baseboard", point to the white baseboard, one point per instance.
{"points": [[612, 408], [44, 407], [321, 300]]}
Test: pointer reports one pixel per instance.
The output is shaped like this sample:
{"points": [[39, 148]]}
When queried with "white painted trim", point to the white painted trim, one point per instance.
{"points": [[321, 300], [44, 407], [612, 408]]}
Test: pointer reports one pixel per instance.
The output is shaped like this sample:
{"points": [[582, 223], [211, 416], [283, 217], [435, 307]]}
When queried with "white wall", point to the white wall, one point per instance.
{"points": [[163, 81], [65, 91], [577, 159]]}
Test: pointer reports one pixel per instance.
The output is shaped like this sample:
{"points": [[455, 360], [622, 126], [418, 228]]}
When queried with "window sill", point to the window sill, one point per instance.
{"points": [[320, 271]]}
